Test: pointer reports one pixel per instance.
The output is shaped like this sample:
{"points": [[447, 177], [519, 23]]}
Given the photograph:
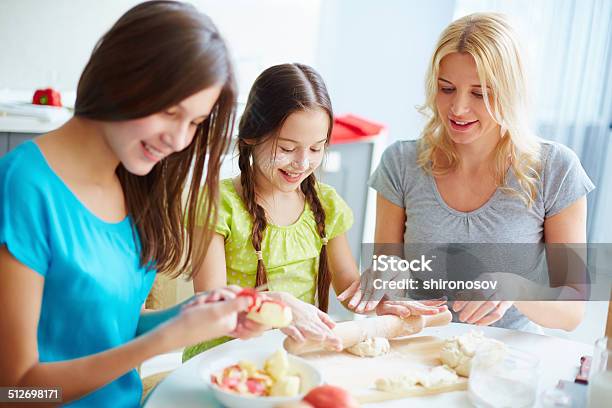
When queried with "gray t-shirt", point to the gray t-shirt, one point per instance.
{"points": [[504, 218]]}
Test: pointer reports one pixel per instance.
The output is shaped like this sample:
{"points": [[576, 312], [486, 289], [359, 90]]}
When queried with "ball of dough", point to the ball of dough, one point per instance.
{"points": [[439, 376], [458, 351], [371, 347]]}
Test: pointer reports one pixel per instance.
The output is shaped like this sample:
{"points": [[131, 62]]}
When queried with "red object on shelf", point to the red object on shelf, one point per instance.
{"points": [[48, 96], [351, 128]]}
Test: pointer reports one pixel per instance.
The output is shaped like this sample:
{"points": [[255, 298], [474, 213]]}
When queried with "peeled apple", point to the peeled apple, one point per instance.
{"points": [[271, 313]]}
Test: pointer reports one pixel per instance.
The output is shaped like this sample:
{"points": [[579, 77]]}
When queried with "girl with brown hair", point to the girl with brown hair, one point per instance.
{"points": [[92, 211], [276, 224]]}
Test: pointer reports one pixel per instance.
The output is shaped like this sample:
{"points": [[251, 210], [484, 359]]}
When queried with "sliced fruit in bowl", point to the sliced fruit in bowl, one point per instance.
{"points": [[260, 379]]}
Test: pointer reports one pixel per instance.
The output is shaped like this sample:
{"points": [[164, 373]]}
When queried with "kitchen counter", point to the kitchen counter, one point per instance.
{"points": [[559, 359]]}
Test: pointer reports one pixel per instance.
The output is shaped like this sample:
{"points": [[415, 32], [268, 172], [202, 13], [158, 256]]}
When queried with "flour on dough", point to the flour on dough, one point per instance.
{"points": [[370, 347], [439, 376], [458, 351], [435, 377]]}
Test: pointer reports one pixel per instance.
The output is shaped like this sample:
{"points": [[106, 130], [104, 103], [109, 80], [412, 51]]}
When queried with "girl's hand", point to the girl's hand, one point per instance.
{"points": [[244, 327], [359, 301], [201, 321], [247, 328], [224, 293], [309, 323], [405, 308], [402, 308]]}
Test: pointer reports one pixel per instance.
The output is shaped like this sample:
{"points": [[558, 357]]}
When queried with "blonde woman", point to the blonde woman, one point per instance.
{"points": [[478, 174]]}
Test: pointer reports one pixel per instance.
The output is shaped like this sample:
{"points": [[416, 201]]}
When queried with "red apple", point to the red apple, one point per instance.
{"points": [[330, 396]]}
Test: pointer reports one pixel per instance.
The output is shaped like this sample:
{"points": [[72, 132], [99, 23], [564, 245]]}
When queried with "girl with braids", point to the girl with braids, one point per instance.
{"points": [[277, 224], [91, 211]]}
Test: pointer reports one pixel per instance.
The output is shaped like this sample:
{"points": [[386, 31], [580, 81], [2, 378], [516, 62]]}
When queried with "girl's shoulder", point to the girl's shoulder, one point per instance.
{"points": [[332, 202], [228, 194], [24, 169], [328, 195]]}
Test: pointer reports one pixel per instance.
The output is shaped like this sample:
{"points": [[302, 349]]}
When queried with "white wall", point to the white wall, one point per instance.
{"points": [[47, 43], [373, 56]]}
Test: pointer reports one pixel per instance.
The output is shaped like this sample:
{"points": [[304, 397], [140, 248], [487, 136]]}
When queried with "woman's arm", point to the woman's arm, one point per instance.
{"points": [[212, 272], [390, 222], [20, 300], [566, 227]]}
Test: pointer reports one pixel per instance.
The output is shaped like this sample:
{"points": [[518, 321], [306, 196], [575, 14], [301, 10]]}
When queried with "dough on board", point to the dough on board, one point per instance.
{"points": [[370, 347], [435, 377], [458, 351]]}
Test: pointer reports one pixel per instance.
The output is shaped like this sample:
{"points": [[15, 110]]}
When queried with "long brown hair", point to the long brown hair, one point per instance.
{"points": [[156, 55], [277, 93]]}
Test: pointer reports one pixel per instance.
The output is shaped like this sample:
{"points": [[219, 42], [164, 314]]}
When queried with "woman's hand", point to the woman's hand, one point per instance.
{"points": [[495, 302], [481, 313], [309, 323]]}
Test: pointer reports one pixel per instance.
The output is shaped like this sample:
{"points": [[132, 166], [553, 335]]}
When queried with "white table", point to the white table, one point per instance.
{"points": [[559, 359]]}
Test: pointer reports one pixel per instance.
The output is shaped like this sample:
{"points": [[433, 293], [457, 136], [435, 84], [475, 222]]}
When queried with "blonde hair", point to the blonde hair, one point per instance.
{"points": [[490, 40]]}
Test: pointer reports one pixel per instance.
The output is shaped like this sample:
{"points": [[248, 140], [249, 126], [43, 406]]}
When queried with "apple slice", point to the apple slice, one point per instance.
{"points": [[272, 313]]}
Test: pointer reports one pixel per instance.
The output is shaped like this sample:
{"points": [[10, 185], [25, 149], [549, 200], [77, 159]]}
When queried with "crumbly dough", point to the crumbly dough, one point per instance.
{"points": [[432, 378], [370, 347], [395, 384], [458, 351], [439, 376]]}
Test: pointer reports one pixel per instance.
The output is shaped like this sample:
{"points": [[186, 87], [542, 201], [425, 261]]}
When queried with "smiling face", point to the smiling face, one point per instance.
{"points": [[460, 100], [288, 159], [141, 143]]}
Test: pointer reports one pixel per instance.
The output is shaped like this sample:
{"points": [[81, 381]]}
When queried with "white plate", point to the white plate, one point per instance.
{"points": [[310, 377]]}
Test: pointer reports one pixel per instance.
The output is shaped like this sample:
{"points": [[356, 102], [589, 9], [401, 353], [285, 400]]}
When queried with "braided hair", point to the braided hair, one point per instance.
{"points": [[277, 93]]}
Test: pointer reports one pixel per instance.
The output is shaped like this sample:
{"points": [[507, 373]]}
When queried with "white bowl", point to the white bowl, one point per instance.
{"points": [[309, 375]]}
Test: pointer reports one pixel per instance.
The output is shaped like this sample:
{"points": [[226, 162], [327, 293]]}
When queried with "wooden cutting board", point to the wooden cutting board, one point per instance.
{"points": [[358, 374]]}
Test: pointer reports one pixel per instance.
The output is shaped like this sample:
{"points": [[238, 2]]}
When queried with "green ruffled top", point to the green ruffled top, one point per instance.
{"points": [[290, 253]]}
